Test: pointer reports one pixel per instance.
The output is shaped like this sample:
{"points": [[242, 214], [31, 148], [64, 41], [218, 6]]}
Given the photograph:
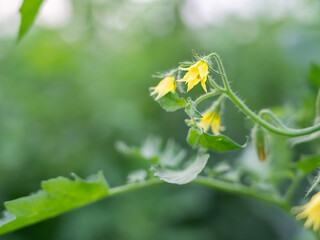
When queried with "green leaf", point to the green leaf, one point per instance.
{"points": [[191, 109], [315, 75], [171, 102], [28, 10], [58, 195], [183, 176], [307, 164], [218, 143]]}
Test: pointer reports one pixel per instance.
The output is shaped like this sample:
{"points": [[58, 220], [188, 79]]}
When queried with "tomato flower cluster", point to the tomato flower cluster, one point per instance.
{"points": [[201, 123], [196, 73]]}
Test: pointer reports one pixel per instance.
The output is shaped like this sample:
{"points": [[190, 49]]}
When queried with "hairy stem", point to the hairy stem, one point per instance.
{"points": [[213, 184], [241, 190], [280, 130], [277, 122], [205, 96], [284, 132]]}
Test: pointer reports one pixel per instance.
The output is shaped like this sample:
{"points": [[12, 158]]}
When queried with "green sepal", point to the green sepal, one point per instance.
{"points": [[191, 109], [217, 143], [259, 140], [171, 102]]}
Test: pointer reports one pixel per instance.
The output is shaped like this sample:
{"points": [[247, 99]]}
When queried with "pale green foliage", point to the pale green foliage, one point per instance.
{"points": [[165, 161], [185, 175], [151, 150]]}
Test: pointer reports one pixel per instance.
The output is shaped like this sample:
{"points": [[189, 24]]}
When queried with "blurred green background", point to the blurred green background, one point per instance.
{"points": [[79, 81]]}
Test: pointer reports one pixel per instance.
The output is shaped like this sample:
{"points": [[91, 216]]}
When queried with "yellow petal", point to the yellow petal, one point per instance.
{"points": [[191, 67], [203, 84], [192, 83], [203, 69], [189, 76], [311, 211], [166, 85], [216, 124], [205, 121]]}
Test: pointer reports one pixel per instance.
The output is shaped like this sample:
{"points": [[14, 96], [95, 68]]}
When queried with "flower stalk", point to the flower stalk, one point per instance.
{"points": [[282, 130]]}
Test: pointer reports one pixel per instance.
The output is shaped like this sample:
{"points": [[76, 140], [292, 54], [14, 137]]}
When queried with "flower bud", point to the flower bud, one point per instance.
{"points": [[259, 140]]}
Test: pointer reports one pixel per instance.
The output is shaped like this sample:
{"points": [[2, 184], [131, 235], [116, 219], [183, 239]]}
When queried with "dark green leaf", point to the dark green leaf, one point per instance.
{"points": [[307, 164], [171, 102], [28, 10], [191, 109], [183, 176], [58, 195], [218, 143]]}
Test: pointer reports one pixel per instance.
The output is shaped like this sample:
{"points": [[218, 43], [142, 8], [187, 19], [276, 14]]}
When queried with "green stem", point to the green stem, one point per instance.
{"points": [[221, 68], [210, 183], [269, 113], [215, 85], [205, 96], [241, 190], [134, 186], [284, 131]]}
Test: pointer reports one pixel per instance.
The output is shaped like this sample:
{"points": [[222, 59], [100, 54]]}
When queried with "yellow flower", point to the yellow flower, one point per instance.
{"points": [[210, 119], [311, 211], [166, 85], [197, 72]]}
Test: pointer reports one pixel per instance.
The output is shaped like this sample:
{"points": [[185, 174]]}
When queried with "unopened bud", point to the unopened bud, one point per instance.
{"points": [[259, 139]]}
